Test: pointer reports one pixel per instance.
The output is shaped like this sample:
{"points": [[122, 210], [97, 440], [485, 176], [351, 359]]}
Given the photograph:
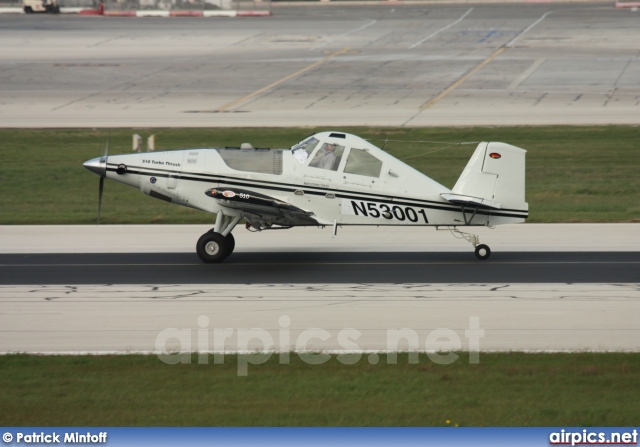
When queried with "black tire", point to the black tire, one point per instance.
{"points": [[28, 10], [231, 243], [483, 252], [212, 247]]}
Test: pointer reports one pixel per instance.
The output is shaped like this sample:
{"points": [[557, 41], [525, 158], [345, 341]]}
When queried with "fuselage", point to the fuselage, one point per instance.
{"points": [[334, 178]]}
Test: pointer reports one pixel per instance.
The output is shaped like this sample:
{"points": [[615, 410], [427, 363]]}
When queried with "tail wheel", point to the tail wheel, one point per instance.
{"points": [[483, 251], [212, 248]]}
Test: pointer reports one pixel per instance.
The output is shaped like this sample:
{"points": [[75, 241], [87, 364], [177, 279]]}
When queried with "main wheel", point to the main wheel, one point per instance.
{"points": [[483, 251], [231, 243], [212, 247]]}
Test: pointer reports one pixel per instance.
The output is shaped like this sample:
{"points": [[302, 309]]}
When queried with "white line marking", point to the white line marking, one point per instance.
{"points": [[512, 41], [252, 264], [279, 81], [345, 34], [527, 73], [440, 30]]}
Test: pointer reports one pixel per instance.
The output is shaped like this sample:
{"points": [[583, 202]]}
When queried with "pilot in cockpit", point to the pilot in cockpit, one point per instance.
{"points": [[325, 158]]}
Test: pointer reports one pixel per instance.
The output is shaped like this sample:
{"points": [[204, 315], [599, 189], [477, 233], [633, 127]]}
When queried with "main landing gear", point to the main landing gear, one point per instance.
{"points": [[213, 247], [216, 244]]}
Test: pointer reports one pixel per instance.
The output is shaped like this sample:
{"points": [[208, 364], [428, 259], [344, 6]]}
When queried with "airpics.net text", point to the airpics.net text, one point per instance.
{"points": [[256, 346]]}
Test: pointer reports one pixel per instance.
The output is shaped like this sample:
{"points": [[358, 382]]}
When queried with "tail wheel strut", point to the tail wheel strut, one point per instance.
{"points": [[482, 251]]}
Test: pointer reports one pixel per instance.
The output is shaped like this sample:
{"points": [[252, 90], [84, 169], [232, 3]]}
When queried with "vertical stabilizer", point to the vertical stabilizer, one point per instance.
{"points": [[493, 178]]}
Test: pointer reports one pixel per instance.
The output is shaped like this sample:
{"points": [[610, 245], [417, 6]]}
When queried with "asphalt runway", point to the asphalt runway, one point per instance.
{"points": [[335, 268], [326, 65], [72, 290]]}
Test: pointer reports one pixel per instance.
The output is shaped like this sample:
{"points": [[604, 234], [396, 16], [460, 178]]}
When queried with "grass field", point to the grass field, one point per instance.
{"points": [[585, 389], [574, 174]]}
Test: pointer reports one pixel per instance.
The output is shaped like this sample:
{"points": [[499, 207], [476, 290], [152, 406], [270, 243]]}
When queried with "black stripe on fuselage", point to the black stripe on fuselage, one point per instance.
{"points": [[318, 191]]}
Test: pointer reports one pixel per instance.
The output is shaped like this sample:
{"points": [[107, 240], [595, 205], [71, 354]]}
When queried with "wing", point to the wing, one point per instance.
{"points": [[263, 206]]}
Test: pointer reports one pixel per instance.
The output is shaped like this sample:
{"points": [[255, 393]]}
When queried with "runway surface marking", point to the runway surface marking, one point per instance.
{"points": [[456, 84], [478, 67], [528, 72], [238, 101], [371, 22], [259, 317], [529, 28], [231, 264], [440, 30]]}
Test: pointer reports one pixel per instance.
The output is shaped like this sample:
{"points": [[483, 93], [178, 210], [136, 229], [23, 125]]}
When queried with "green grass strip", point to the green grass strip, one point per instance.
{"points": [[574, 174], [503, 389]]}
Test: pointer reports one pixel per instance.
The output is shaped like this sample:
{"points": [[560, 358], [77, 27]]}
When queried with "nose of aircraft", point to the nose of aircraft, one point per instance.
{"points": [[97, 166]]}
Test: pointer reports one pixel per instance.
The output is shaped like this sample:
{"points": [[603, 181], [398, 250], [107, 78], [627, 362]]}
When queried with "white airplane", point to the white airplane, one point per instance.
{"points": [[328, 179]]}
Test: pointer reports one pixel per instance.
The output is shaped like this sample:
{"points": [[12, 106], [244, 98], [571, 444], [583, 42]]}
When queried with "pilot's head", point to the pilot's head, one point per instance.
{"points": [[330, 147]]}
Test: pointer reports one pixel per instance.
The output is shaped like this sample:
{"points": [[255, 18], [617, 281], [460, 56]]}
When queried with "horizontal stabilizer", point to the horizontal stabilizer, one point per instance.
{"points": [[470, 201]]}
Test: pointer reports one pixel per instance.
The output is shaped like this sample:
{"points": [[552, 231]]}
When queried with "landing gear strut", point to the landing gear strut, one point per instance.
{"points": [[482, 251], [215, 245]]}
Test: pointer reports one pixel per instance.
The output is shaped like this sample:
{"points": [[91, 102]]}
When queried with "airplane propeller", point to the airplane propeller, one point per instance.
{"points": [[102, 177], [99, 166], [100, 189]]}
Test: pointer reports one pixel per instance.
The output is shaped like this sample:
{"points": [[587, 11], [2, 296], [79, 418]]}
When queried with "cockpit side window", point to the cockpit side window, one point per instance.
{"points": [[263, 161], [361, 162], [303, 150], [328, 157]]}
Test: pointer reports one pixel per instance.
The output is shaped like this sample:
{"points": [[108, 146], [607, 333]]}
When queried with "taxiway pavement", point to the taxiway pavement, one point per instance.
{"points": [[326, 65]]}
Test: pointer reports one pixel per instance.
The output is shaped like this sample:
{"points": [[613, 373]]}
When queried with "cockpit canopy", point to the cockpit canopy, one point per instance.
{"points": [[342, 152], [322, 153], [260, 160]]}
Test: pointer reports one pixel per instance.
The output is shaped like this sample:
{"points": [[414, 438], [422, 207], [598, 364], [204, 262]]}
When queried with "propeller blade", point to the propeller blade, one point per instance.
{"points": [[100, 189], [101, 184]]}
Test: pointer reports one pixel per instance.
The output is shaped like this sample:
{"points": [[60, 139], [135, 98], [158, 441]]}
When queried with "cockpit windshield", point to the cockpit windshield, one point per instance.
{"points": [[302, 151]]}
